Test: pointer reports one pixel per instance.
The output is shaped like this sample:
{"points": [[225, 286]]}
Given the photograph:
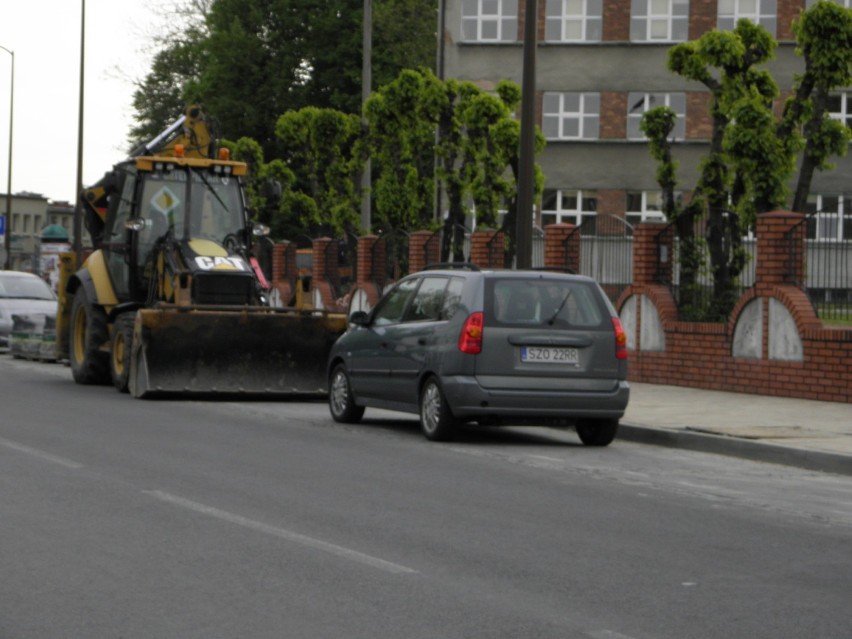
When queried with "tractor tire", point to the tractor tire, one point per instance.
{"points": [[121, 345], [87, 335]]}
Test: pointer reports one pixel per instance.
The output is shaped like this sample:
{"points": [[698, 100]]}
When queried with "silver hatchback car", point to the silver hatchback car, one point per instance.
{"points": [[496, 347]]}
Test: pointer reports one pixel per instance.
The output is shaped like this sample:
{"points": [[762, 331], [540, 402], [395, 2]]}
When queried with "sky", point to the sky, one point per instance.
{"points": [[45, 37]]}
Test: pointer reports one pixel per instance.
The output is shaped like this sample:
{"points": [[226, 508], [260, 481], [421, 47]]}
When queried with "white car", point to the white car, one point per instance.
{"points": [[23, 294]]}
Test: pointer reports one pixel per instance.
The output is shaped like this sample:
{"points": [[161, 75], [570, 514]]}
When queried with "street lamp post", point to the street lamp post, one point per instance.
{"points": [[8, 235]]}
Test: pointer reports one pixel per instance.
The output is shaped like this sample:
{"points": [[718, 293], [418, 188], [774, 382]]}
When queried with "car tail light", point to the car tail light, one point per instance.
{"points": [[620, 339], [470, 340]]}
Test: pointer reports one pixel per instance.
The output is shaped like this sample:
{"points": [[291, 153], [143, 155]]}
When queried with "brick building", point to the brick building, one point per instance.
{"points": [[600, 65]]}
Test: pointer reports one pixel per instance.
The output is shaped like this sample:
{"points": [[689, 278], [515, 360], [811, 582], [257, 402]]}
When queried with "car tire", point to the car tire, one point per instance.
{"points": [[87, 333], [341, 401], [121, 345], [436, 418], [597, 432]]}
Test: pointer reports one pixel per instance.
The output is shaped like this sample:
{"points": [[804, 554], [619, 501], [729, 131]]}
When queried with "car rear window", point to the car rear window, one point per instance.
{"points": [[558, 303]]}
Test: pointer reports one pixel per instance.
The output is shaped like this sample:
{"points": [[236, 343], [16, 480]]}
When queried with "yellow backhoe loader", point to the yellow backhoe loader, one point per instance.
{"points": [[173, 299]]}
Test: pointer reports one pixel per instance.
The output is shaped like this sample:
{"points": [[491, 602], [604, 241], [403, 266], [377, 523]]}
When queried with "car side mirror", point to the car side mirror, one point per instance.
{"points": [[259, 230], [359, 318]]}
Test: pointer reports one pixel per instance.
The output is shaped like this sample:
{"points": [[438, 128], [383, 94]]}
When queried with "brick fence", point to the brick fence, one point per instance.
{"points": [[772, 344]]}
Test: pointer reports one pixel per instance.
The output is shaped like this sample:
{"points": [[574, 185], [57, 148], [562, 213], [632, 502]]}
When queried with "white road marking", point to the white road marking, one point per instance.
{"points": [[281, 533], [40, 454], [607, 634]]}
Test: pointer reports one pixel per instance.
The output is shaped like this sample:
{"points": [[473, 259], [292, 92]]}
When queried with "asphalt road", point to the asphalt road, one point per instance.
{"points": [[131, 518]]}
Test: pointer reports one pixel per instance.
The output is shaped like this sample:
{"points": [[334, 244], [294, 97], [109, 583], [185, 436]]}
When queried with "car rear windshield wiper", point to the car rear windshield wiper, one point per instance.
{"points": [[559, 308]]}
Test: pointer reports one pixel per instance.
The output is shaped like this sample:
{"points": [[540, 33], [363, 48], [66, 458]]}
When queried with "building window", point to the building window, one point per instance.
{"points": [[839, 108], [573, 21], [568, 207], [490, 20], [643, 206], [659, 20], [762, 12], [16, 222], [842, 3], [830, 217], [639, 103], [571, 116]]}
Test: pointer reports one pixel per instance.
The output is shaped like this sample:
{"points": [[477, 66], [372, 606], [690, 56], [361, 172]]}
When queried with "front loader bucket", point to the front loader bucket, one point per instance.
{"points": [[228, 351]]}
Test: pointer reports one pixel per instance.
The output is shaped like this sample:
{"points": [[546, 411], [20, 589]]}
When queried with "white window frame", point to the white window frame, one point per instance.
{"points": [[650, 101], [480, 14], [830, 223], [651, 208], [763, 12], [577, 212], [845, 113], [562, 14], [586, 116], [659, 20]]}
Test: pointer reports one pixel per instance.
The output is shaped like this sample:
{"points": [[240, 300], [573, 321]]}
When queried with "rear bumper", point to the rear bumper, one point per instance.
{"points": [[469, 400]]}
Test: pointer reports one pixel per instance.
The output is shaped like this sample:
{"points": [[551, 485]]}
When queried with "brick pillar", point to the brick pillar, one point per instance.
{"points": [[325, 259], [371, 260], [372, 274], [325, 280], [652, 253], [284, 261], [780, 248], [702, 18], [424, 247], [284, 271], [562, 247], [616, 21], [486, 248]]}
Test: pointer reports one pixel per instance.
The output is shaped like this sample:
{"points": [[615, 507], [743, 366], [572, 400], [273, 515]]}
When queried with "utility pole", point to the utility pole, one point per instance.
{"points": [[526, 177], [7, 241], [78, 208], [366, 89]]}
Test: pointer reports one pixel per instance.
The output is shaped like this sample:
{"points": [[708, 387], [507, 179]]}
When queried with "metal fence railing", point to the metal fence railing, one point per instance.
{"points": [[826, 272], [606, 253], [685, 266]]}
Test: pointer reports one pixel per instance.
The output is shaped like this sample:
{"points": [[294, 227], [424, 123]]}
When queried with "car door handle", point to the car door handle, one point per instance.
{"points": [[421, 341]]}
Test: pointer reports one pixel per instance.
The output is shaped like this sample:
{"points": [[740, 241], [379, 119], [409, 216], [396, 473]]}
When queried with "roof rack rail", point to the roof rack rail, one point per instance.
{"points": [[553, 269], [450, 265]]}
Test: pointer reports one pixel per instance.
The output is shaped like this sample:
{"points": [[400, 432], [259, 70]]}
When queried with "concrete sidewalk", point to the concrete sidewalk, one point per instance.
{"points": [[797, 432]]}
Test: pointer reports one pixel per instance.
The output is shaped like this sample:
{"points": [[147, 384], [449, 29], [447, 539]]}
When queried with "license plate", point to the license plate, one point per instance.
{"points": [[550, 355]]}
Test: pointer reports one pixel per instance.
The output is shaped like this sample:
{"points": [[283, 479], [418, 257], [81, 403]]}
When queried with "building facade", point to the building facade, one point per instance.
{"points": [[31, 214], [600, 64]]}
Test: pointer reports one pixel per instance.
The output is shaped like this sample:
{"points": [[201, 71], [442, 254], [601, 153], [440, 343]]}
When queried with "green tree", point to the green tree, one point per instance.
{"points": [[162, 95], [322, 148], [753, 154], [824, 39], [263, 201], [424, 132], [249, 61], [401, 120]]}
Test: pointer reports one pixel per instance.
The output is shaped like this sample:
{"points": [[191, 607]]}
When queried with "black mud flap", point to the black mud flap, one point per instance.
{"points": [[231, 352]]}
